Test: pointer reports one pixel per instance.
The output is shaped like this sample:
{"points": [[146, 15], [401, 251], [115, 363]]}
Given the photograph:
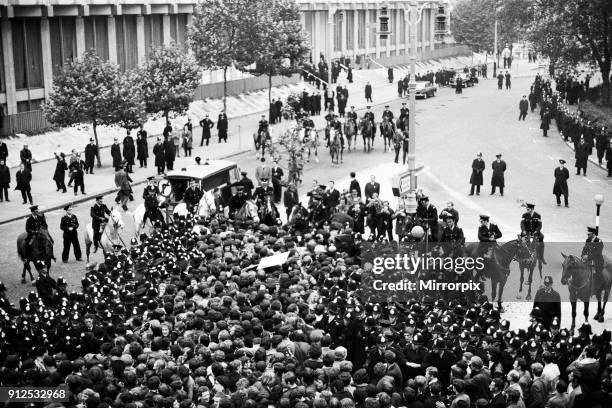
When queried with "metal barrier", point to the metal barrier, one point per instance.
{"points": [[240, 86], [29, 122]]}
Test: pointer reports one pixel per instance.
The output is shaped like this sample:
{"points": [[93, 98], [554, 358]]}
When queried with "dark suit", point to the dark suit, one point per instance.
{"points": [[206, 124], [476, 179], [372, 188], [498, 401], [290, 199], [116, 154], [355, 186], [69, 225], [222, 126], [91, 150], [23, 179], [523, 108], [331, 198], [560, 188]]}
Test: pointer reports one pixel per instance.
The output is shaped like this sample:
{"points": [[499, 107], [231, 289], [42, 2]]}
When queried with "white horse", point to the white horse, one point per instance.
{"points": [[205, 208], [248, 211], [110, 232], [165, 190]]}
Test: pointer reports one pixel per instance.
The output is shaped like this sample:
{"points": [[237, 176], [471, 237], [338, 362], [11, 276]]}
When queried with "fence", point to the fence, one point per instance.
{"points": [[240, 86], [24, 122]]}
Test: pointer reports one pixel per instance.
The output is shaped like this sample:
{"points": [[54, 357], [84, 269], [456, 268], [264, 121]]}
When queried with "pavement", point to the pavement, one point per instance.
{"points": [[241, 126]]}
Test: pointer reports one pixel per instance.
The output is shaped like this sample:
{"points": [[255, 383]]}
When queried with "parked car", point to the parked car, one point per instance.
{"points": [[425, 89], [466, 78]]}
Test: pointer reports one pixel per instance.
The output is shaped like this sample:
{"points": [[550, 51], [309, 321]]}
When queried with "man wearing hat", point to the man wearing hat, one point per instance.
{"points": [[523, 108], [548, 301], [531, 225], [91, 151], [263, 171], [34, 223], [206, 125], [45, 285], [151, 202], [193, 195], [497, 178], [247, 183], [290, 198], [277, 177], [488, 234], [69, 225], [476, 179], [77, 173], [263, 191], [427, 213], [560, 187], [116, 154], [368, 92], [98, 213], [352, 116], [122, 181], [387, 114], [59, 176], [237, 200]]}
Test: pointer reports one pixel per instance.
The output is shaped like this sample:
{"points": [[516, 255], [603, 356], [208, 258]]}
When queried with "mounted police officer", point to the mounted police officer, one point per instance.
{"points": [[531, 226], [387, 114], [488, 234], [263, 191], [352, 115], [69, 225], [404, 111], [150, 196], [237, 200], [34, 223], [263, 125], [453, 235], [592, 252], [98, 213], [193, 195]]}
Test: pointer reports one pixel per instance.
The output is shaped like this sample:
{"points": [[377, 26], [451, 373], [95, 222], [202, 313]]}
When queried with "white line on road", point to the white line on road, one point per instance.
{"points": [[590, 181]]}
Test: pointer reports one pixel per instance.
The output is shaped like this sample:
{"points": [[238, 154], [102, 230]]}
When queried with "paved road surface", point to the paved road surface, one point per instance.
{"points": [[451, 129]]}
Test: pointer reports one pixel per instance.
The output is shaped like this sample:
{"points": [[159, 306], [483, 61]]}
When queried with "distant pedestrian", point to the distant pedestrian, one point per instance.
{"points": [[508, 80], [142, 147], [59, 176], [609, 158], [349, 75], [160, 156], [545, 125], [23, 177], [500, 81], [582, 156], [601, 143], [390, 74], [176, 141], [497, 178], [3, 150], [122, 181], [188, 126], [167, 129], [206, 125], [560, 187], [476, 179], [222, 126], [523, 108], [116, 154], [5, 181], [77, 168], [533, 100], [69, 224], [91, 151], [169, 154], [129, 152], [187, 142], [26, 157], [368, 92]]}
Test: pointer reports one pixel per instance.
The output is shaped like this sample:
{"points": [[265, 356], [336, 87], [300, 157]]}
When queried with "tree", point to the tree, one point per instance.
{"points": [[578, 31], [282, 43], [297, 149], [129, 108], [83, 94], [168, 80], [220, 35]]}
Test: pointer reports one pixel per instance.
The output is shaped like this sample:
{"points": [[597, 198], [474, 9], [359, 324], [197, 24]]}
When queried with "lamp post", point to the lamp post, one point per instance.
{"points": [[599, 200]]}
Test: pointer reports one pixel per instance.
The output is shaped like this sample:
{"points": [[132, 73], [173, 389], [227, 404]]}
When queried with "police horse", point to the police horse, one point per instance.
{"points": [[162, 199], [350, 131], [205, 207], [336, 146], [387, 131], [41, 250], [248, 211], [268, 213], [111, 232], [366, 128], [310, 142], [528, 259], [262, 140], [583, 282]]}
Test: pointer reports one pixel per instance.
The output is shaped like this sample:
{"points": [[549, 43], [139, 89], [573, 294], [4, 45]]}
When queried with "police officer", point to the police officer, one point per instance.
{"points": [[247, 183], [428, 215], [453, 235], [352, 115], [387, 114], [403, 111], [98, 213], [369, 115], [151, 201], [263, 191], [531, 225], [549, 302], [238, 199], [192, 195], [277, 177], [34, 223], [69, 225], [307, 122], [45, 285], [487, 231], [263, 125], [592, 252]]}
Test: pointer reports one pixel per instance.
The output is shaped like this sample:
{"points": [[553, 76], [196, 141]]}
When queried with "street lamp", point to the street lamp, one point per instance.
{"points": [[599, 200]]}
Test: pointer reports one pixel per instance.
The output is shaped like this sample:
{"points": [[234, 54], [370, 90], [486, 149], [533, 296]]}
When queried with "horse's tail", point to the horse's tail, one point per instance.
{"points": [[21, 247]]}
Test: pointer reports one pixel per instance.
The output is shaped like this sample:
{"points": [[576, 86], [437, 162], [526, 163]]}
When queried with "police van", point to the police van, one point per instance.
{"points": [[212, 174]]}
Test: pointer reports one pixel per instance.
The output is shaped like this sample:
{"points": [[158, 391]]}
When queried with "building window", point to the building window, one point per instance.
{"points": [[373, 24], [27, 53], [63, 41], [337, 31], [402, 31], [2, 80], [127, 42], [181, 29], [361, 29], [31, 105], [154, 31], [173, 31], [350, 29], [96, 35]]}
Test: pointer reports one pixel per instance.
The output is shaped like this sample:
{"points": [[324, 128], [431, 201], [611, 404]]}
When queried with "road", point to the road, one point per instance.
{"points": [[451, 130]]}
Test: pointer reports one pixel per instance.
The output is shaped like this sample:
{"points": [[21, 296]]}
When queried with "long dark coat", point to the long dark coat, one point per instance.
{"points": [[158, 151], [60, 170], [142, 147], [116, 154], [169, 150], [545, 125], [368, 91], [478, 166], [5, 176], [561, 177], [582, 155], [609, 158], [23, 179], [129, 149], [497, 179]]}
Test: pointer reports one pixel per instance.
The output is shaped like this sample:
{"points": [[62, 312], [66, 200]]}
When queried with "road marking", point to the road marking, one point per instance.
{"points": [[590, 181], [551, 158]]}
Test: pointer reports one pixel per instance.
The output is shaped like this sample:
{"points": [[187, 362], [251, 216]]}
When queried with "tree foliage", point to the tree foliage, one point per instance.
{"points": [[282, 43], [129, 110], [168, 80], [84, 93], [221, 35]]}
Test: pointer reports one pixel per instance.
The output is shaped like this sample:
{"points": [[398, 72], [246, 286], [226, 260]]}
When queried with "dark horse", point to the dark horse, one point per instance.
{"points": [[262, 140], [366, 127], [336, 146], [583, 282], [497, 264], [528, 259], [387, 131], [42, 250], [268, 213]]}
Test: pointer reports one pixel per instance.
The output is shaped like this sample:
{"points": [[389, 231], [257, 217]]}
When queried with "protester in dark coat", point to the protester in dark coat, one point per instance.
{"points": [[59, 176], [142, 147], [169, 153], [160, 156], [476, 179], [222, 126], [116, 154], [206, 125], [26, 157], [5, 180], [368, 92], [3, 149], [129, 152], [23, 177]]}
